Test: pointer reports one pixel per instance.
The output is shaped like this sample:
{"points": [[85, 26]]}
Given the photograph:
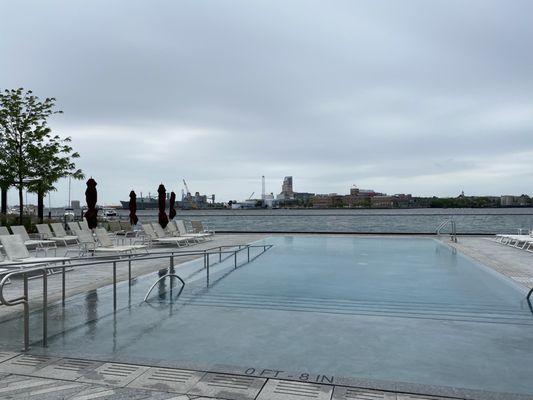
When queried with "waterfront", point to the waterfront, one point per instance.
{"points": [[425, 220]]}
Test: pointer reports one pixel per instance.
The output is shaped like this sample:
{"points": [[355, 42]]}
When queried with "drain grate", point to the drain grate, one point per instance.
{"points": [[31, 361], [114, 374], [297, 389], [6, 355], [177, 380], [25, 364], [231, 382], [291, 390], [348, 393], [67, 368], [401, 396]]}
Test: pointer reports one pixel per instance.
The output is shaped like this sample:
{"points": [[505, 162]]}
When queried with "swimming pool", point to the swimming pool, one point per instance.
{"points": [[332, 309]]}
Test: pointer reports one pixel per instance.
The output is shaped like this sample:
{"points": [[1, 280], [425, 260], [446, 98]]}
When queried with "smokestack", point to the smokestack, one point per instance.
{"points": [[263, 187]]}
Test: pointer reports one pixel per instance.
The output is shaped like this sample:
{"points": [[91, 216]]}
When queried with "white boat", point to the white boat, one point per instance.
{"points": [[69, 215], [110, 214]]}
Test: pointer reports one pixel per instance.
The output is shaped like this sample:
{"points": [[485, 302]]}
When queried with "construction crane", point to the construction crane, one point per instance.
{"points": [[249, 198], [188, 196], [186, 188]]}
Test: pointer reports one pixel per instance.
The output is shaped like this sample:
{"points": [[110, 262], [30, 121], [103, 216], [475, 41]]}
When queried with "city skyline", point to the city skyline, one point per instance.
{"points": [[419, 97], [78, 194]]}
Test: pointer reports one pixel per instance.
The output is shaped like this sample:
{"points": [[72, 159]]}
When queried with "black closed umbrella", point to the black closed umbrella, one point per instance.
{"points": [[163, 219], [171, 206], [91, 197], [133, 208]]}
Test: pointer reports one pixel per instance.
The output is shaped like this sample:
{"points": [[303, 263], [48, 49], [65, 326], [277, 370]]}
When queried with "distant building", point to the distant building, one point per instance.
{"points": [[515, 201], [303, 196], [287, 193], [360, 197], [395, 201], [332, 200], [269, 201], [382, 202]]}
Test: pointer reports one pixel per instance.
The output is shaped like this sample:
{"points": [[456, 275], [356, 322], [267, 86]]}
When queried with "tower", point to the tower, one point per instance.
{"points": [[263, 187]]}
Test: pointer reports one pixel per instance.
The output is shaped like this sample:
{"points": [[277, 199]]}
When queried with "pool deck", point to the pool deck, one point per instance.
{"points": [[24, 376], [34, 376], [513, 263]]}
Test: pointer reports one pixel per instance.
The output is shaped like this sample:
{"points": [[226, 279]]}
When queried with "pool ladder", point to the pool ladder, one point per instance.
{"points": [[444, 224], [232, 252]]}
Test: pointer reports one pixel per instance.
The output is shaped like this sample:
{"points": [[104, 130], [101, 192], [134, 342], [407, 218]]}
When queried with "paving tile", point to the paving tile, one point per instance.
{"points": [[113, 374], [404, 396], [351, 393], [108, 393], [6, 355], [93, 392], [291, 390], [67, 368], [55, 390], [26, 364], [16, 386], [167, 379], [227, 386]]}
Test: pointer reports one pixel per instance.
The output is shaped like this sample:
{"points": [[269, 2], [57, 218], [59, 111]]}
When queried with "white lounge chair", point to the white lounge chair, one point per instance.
{"points": [[162, 234], [152, 237], [17, 252], [198, 227], [128, 229], [47, 234], [43, 245], [60, 233], [73, 227], [84, 225], [107, 245], [194, 235]]}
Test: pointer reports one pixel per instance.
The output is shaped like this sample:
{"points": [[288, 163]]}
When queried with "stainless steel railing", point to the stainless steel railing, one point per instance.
{"points": [[444, 224], [24, 300], [115, 260]]}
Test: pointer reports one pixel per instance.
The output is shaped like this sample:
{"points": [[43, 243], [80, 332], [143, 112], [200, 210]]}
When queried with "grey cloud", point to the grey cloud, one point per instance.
{"points": [[416, 96]]}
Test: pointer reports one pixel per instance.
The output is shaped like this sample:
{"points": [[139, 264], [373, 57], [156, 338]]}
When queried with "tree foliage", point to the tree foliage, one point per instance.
{"points": [[31, 155]]}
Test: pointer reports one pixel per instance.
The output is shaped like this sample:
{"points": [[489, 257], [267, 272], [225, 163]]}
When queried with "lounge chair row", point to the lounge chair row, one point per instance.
{"points": [[175, 233], [524, 242]]}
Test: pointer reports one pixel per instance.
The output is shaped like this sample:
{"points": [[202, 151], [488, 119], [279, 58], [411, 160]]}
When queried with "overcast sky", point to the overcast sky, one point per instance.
{"points": [[422, 97]]}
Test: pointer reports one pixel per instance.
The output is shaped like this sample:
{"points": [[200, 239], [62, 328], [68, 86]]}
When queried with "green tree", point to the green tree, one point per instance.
{"points": [[52, 160], [6, 177], [35, 157]]}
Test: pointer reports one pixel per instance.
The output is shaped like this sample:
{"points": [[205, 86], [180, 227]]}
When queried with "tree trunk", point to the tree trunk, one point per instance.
{"points": [[40, 206], [4, 200], [21, 204]]}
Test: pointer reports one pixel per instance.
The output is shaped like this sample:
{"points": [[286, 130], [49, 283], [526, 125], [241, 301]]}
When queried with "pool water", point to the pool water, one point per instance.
{"points": [[384, 309]]}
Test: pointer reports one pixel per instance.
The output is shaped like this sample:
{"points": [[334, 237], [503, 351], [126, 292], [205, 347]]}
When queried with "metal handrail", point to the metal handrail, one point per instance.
{"points": [[24, 300], [164, 277], [443, 224], [207, 264], [104, 260]]}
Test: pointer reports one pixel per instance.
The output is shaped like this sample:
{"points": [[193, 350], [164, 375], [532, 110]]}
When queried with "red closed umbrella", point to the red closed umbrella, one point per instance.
{"points": [[171, 206], [133, 208], [91, 196], [163, 219]]}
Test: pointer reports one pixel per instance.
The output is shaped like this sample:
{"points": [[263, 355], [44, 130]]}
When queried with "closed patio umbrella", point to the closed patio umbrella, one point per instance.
{"points": [[91, 197], [133, 208], [163, 219], [171, 206]]}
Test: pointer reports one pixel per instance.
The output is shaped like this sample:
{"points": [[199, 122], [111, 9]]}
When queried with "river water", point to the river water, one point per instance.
{"points": [[483, 221]]}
